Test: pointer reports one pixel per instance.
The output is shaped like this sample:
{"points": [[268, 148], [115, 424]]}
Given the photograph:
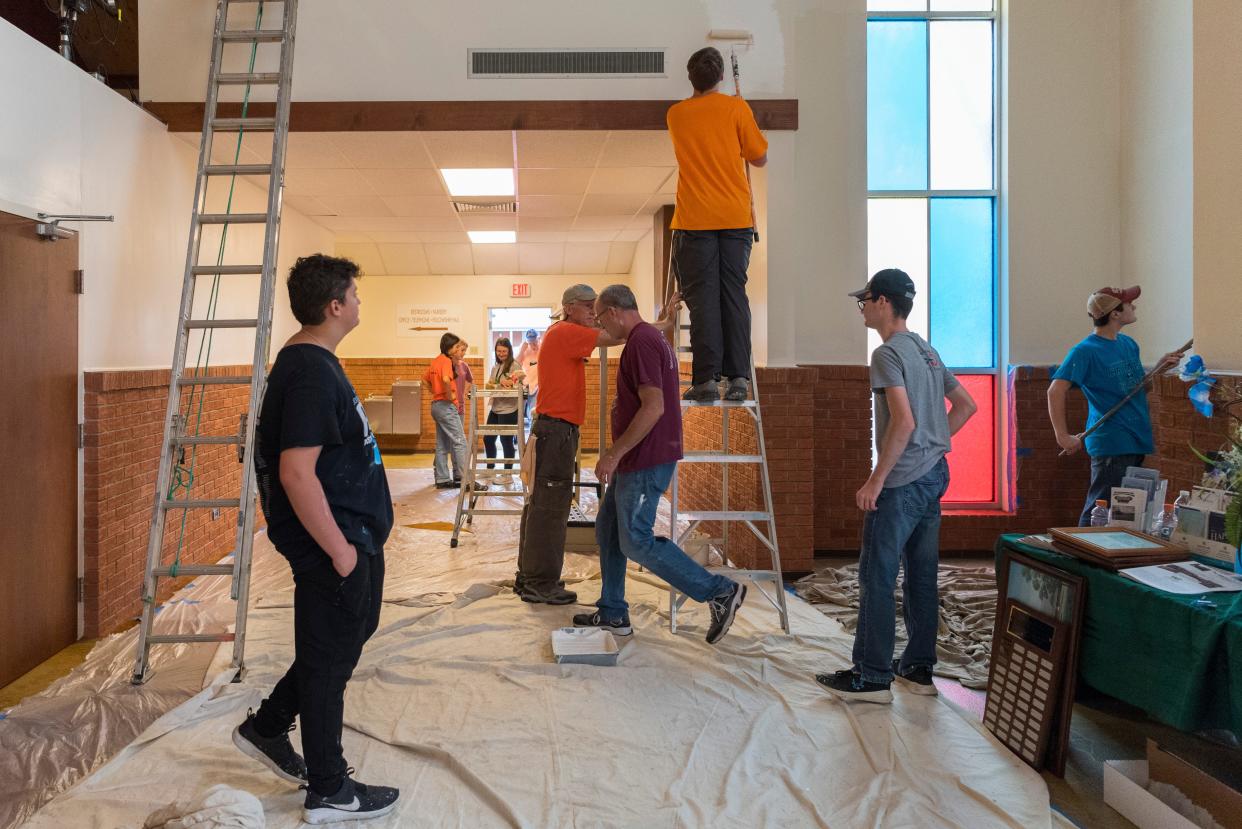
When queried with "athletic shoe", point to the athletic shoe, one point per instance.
{"points": [[479, 486], [353, 801], [702, 392], [274, 752], [723, 608], [557, 595], [850, 686], [448, 484], [916, 680], [739, 388], [618, 627]]}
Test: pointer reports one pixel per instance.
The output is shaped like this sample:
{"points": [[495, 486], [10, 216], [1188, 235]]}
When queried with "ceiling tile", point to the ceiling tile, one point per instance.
{"points": [[669, 188], [621, 257], [486, 221], [443, 236], [643, 221], [404, 259], [559, 148], [326, 183], [632, 234], [645, 180], [470, 149], [542, 235], [602, 222], [449, 259], [545, 224], [599, 204], [352, 236], [386, 150], [420, 206], [638, 148], [540, 258], [224, 152], [311, 150], [553, 182], [306, 205], [399, 224], [495, 259], [386, 237], [366, 255], [390, 181], [356, 205], [548, 206], [586, 257], [591, 235]]}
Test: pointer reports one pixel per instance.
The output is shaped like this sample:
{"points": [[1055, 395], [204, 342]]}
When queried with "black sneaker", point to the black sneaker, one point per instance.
{"points": [[274, 752], [619, 627], [354, 801], [479, 486], [557, 595], [448, 484], [739, 388], [701, 392], [723, 609], [916, 680], [850, 686]]}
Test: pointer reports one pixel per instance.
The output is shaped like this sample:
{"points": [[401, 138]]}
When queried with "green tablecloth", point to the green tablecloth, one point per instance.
{"points": [[1179, 663]]}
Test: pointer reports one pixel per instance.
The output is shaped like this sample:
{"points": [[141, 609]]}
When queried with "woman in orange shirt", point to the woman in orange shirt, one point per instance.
{"points": [[714, 136], [441, 380]]}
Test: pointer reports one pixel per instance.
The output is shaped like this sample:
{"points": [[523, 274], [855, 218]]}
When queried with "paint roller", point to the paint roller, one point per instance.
{"points": [[736, 38]]}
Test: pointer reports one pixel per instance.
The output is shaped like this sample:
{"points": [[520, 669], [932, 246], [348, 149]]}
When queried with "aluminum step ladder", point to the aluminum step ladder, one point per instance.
{"points": [[752, 519], [476, 470], [181, 436]]}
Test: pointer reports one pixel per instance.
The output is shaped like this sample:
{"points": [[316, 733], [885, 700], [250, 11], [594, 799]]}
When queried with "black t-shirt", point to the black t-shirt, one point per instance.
{"points": [[310, 402]]}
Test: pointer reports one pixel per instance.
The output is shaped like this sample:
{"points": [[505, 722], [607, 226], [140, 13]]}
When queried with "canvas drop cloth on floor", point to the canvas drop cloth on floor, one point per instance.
{"points": [[458, 702]]}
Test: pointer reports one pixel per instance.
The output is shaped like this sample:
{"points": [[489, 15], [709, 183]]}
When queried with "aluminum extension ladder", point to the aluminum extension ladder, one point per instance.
{"points": [[181, 436], [752, 519], [468, 497]]}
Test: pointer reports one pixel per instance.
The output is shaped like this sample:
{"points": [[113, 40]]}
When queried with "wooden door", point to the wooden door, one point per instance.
{"points": [[38, 446]]}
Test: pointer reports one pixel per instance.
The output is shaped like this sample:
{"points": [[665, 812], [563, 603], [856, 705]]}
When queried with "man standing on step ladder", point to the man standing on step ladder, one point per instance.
{"points": [[714, 137], [901, 498], [328, 509], [638, 467]]}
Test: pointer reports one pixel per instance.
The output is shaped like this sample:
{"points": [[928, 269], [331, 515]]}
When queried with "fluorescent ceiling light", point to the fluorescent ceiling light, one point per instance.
{"points": [[480, 181], [492, 237]]}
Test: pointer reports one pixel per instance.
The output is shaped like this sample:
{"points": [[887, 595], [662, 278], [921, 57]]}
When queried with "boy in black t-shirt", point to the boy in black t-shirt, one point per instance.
{"points": [[329, 512]]}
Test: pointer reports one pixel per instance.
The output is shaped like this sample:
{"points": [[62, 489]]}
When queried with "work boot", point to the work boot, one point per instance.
{"points": [[701, 392], [739, 389], [556, 595]]}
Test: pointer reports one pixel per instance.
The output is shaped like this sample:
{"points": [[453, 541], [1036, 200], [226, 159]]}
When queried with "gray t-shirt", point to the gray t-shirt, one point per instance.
{"points": [[907, 360]]}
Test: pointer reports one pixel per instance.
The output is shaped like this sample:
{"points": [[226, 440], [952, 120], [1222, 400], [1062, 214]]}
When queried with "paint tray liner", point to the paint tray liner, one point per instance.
{"points": [[588, 646]]}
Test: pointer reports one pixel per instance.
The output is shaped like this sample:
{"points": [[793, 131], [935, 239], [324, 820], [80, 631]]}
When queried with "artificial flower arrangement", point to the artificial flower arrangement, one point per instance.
{"points": [[1223, 467]]}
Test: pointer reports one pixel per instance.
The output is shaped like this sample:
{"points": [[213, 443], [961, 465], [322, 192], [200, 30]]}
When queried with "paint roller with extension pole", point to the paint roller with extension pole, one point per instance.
{"points": [[1142, 384], [737, 37]]}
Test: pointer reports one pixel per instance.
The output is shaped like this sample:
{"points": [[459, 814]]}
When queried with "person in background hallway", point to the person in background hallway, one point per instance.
{"points": [[325, 497], [638, 467], [506, 374], [901, 498], [528, 357], [464, 379], [1106, 366], [441, 380], [714, 136]]}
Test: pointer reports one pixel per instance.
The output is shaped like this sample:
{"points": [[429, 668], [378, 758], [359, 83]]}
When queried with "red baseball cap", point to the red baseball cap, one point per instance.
{"points": [[1106, 300]]}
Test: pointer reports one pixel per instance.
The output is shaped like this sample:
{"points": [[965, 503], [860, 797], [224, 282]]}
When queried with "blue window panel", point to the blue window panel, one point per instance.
{"points": [[896, 105], [962, 293]]}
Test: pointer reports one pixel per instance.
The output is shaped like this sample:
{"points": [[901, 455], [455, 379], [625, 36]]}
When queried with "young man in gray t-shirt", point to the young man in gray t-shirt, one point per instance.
{"points": [[901, 498]]}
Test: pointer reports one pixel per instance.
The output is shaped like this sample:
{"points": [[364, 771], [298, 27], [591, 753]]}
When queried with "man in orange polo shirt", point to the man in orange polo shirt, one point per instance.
{"points": [[714, 136], [560, 411]]}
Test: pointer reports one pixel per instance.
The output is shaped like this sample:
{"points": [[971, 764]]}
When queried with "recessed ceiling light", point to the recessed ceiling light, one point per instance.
{"points": [[479, 181], [492, 237]]}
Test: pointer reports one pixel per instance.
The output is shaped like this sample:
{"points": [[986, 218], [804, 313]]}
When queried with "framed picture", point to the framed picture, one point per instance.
{"points": [[1115, 542]]}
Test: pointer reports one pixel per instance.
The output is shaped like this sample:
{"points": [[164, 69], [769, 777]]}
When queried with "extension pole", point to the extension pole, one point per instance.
{"points": [[737, 91]]}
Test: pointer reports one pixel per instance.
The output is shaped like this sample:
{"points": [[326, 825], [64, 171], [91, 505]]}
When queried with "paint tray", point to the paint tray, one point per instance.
{"points": [[587, 646]]}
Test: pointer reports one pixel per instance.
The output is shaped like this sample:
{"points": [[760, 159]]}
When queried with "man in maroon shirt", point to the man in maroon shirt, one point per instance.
{"points": [[646, 445]]}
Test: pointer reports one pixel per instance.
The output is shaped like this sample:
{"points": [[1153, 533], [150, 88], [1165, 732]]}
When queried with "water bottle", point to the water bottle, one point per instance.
{"points": [[1099, 514], [1166, 522], [1183, 500]]}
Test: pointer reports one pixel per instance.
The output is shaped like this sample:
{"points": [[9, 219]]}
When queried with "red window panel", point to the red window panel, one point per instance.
{"points": [[972, 463]]}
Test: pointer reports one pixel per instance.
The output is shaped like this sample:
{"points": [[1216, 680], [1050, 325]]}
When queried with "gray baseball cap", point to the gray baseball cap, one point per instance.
{"points": [[578, 293]]}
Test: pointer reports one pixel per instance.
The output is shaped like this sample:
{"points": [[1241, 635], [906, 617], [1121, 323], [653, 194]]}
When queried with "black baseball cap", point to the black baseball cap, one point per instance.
{"points": [[888, 282]]}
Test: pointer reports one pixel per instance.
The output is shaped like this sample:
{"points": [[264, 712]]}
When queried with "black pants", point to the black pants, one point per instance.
{"points": [[711, 272], [507, 442], [332, 618], [541, 545], [1106, 473]]}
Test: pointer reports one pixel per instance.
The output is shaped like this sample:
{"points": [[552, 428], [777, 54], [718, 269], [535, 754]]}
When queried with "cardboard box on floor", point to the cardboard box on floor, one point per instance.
{"points": [[1125, 789]]}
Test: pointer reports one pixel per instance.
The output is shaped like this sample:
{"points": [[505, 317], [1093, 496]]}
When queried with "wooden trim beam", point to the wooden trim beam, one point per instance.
{"points": [[403, 116]]}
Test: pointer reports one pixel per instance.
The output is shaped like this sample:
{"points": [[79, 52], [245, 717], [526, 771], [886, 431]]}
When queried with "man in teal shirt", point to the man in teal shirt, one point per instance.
{"points": [[1106, 366]]}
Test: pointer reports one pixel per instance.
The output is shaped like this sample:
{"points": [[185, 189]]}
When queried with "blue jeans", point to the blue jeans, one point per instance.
{"points": [[904, 528], [450, 440], [1106, 473], [623, 529]]}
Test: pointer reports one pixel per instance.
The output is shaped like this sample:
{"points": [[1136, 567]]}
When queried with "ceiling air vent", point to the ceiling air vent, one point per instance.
{"points": [[485, 205], [565, 63]]}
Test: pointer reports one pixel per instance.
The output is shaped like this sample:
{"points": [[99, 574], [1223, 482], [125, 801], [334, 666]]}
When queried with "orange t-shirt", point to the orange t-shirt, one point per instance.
{"points": [[439, 379], [562, 377], [712, 134]]}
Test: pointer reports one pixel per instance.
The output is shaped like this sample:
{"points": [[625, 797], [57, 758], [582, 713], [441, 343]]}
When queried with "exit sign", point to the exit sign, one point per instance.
{"points": [[521, 290]]}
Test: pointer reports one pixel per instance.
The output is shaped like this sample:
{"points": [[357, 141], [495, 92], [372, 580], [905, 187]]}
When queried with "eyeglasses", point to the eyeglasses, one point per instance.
{"points": [[864, 300], [599, 317]]}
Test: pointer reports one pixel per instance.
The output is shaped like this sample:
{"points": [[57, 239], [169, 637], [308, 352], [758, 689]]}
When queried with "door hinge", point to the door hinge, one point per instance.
{"points": [[81, 435], [79, 281], [81, 589]]}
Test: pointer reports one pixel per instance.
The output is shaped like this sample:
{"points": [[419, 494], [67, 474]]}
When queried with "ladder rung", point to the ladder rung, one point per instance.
{"points": [[203, 503], [719, 404], [484, 431], [232, 218], [251, 35], [225, 270], [216, 380], [770, 575], [723, 515], [221, 323], [197, 570], [174, 638], [720, 457], [684, 349], [207, 440], [238, 170], [235, 124], [491, 512], [235, 78]]}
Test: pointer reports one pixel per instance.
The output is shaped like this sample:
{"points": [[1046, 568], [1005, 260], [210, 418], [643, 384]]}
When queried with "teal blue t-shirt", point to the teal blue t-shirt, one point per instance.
{"points": [[1106, 370]]}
